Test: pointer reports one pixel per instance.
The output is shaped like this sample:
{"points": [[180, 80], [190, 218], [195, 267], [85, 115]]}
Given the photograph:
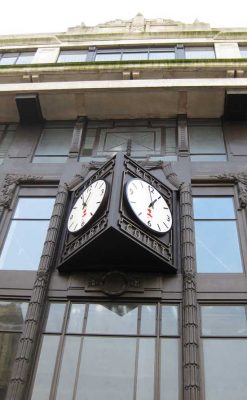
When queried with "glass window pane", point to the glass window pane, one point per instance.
{"points": [[107, 369], [8, 58], [169, 382], [145, 370], [169, 320], [213, 208], [72, 56], [208, 157], [217, 247], [162, 55], [54, 142], [199, 52], [34, 208], [8, 348], [50, 159], [170, 146], [108, 57], [25, 58], [148, 320], [225, 366], [12, 315], [76, 317], [134, 56], [243, 51], [206, 140], [23, 245], [112, 318], [68, 369], [224, 321], [45, 370], [55, 317]]}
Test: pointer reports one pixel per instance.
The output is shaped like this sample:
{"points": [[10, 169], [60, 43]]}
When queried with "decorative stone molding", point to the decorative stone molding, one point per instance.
{"points": [[171, 175], [114, 283], [183, 140], [9, 186], [191, 367], [77, 135], [29, 338], [241, 181]]}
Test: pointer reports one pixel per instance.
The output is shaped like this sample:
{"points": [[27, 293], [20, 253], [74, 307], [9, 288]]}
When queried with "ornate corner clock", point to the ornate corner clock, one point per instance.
{"points": [[121, 217]]}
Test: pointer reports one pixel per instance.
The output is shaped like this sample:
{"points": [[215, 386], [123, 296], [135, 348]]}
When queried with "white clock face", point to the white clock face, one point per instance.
{"points": [[86, 206], [149, 206]]}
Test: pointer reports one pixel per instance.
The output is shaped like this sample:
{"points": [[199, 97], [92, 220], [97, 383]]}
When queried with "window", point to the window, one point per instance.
{"points": [[109, 351], [135, 54], [199, 52], [224, 334], [206, 141], [24, 242], [54, 143], [72, 56], [216, 235], [12, 317], [243, 51], [7, 133], [138, 141], [16, 58]]}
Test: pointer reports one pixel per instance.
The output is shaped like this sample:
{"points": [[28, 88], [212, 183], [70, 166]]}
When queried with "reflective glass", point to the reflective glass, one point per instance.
{"points": [[225, 366], [8, 348], [23, 245], [108, 57], [224, 320], [54, 142], [145, 370], [217, 247], [169, 318], [112, 318], [34, 208], [169, 379], [213, 208], [208, 157], [44, 374], [199, 52], [107, 369], [72, 56], [148, 320], [206, 140], [12, 315], [8, 59], [243, 51], [161, 55], [68, 369], [76, 318], [55, 317], [134, 56], [51, 159], [25, 58]]}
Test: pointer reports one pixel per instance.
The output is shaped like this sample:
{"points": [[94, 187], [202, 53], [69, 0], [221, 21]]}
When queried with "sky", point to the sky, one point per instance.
{"points": [[30, 16]]}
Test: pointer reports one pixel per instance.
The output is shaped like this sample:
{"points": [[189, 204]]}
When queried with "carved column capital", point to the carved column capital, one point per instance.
{"points": [[240, 180]]}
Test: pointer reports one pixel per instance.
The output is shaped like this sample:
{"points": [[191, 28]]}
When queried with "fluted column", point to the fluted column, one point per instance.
{"points": [[191, 366], [29, 337]]}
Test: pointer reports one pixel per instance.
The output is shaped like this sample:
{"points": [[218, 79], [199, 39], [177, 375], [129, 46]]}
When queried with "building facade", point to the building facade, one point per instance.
{"points": [[120, 308]]}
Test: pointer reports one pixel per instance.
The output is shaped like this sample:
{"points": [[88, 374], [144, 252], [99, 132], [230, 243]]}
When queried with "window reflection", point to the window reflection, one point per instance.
{"points": [[112, 352]]}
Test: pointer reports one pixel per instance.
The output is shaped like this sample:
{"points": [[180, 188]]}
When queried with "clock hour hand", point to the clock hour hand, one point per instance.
{"points": [[153, 202]]}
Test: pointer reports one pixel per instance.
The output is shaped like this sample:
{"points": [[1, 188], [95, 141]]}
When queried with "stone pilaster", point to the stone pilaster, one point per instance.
{"points": [[191, 364], [29, 338]]}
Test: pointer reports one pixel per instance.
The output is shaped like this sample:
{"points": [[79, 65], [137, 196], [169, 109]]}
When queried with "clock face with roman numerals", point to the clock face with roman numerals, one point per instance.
{"points": [[148, 205], [87, 206]]}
